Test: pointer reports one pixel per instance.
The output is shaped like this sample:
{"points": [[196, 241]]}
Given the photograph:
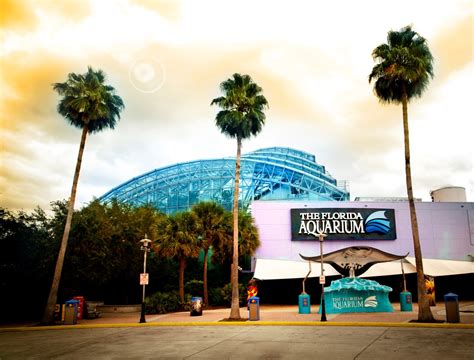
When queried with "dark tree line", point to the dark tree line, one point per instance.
{"points": [[103, 259]]}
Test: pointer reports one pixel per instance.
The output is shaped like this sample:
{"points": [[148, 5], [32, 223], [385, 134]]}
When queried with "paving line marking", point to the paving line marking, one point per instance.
{"points": [[370, 344], [210, 346]]}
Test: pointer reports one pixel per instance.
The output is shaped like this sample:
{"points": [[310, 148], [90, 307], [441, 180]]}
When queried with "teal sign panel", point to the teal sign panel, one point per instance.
{"points": [[355, 295]]}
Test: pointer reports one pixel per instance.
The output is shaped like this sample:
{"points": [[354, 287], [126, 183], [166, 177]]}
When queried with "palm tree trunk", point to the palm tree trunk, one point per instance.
{"points": [[48, 316], [234, 279], [204, 277], [182, 265], [424, 311]]}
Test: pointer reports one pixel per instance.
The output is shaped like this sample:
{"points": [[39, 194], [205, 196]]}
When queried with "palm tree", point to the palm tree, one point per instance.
{"points": [[241, 117], [248, 237], [177, 238], [248, 240], [91, 105], [209, 222], [403, 69]]}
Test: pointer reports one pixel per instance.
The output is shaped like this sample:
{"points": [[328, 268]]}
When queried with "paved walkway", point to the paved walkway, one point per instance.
{"points": [[277, 315], [289, 314]]}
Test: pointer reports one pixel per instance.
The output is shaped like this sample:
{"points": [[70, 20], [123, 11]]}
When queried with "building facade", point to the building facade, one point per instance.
{"points": [[288, 229]]}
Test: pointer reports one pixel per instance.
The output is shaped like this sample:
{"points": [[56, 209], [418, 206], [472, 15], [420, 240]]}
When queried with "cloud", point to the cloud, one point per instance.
{"points": [[168, 9], [17, 15], [453, 47], [24, 16], [311, 59]]}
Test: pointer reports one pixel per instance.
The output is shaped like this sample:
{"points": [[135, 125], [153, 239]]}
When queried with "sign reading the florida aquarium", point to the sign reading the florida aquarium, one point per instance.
{"points": [[357, 295], [343, 224]]}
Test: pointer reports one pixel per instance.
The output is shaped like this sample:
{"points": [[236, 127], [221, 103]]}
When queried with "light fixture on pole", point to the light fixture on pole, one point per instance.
{"points": [[144, 276], [322, 278]]}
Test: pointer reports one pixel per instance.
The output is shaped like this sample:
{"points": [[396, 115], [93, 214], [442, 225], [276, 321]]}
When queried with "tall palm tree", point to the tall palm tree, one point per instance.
{"points": [[404, 66], [249, 240], [177, 238], [248, 237], [91, 105], [210, 226], [241, 117]]}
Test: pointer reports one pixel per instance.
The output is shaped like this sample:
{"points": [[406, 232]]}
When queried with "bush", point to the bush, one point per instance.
{"points": [[223, 295], [163, 302], [194, 287], [216, 297]]}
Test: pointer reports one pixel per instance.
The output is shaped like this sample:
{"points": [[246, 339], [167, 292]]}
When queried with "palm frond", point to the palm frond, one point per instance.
{"points": [[242, 107], [404, 63], [87, 101]]}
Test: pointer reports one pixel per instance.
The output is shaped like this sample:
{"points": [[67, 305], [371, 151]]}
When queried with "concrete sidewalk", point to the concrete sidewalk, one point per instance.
{"points": [[289, 314], [273, 315]]}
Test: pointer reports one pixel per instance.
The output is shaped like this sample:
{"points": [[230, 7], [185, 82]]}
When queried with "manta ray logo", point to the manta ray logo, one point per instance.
{"points": [[377, 222], [371, 301]]}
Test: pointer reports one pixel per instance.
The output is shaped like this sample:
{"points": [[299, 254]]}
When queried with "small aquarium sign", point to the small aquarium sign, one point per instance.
{"points": [[343, 224]]}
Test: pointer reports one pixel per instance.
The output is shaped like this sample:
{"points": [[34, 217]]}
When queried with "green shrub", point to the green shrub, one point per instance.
{"points": [[223, 296], [163, 302], [194, 287], [216, 296]]}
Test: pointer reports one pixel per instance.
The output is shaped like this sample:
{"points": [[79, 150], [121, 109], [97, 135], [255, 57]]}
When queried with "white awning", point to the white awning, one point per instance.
{"points": [[271, 269], [436, 267], [389, 268]]}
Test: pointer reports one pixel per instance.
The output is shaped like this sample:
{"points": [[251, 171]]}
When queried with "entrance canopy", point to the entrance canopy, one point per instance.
{"points": [[355, 260], [271, 269]]}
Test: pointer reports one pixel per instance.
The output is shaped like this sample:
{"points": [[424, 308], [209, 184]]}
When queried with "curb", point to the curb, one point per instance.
{"points": [[244, 323]]}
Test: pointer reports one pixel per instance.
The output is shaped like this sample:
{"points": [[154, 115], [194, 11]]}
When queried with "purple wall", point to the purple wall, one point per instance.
{"points": [[446, 229]]}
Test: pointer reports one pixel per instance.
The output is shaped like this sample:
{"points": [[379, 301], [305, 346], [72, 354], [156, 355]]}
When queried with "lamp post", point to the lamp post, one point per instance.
{"points": [[322, 279], [144, 277]]}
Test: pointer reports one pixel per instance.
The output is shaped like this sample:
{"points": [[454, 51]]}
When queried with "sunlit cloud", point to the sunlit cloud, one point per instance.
{"points": [[166, 59]]}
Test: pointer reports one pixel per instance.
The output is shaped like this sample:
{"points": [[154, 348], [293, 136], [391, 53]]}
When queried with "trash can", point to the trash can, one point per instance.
{"points": [[80, 306], [452, 308], [196, 306], [254, 308], [70, 313], [304, 304], [406, 303], [59, 312]]}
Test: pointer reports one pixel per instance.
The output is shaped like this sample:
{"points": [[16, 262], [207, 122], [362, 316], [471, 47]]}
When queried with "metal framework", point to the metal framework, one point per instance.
{"points": [[267, 174]]}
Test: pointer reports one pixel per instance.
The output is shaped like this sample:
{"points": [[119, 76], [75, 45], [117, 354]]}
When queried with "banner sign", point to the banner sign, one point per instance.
{"points": [[343, 224]]}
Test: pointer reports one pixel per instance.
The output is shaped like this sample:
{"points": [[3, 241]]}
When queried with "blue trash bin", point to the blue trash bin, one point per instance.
{"points": [[70, 312], [254, 308], [406, 303], [304, 304], [451, 303]]}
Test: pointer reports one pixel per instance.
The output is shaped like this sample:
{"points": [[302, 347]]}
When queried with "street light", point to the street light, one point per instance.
{"points": [[322, 279], [144, 277]]}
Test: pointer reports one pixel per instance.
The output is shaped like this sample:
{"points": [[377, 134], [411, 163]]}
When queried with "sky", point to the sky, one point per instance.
{"points": [[167, 58]]}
